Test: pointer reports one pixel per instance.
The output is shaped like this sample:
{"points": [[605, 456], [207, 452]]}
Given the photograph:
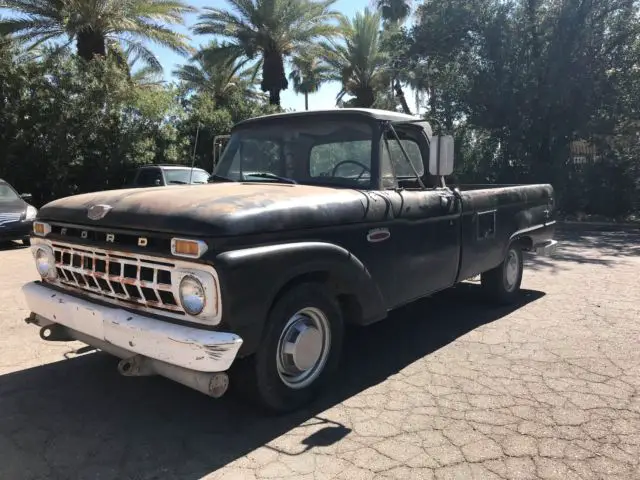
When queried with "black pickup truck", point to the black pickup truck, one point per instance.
{"points": [[310, 221]]}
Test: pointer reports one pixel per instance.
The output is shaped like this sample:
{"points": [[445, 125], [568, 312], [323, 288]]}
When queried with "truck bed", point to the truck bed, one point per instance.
{"points": [[494, 215]]}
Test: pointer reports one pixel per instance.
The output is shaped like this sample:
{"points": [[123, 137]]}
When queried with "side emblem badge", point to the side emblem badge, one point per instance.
{"points": [[96, 212], [378, 235]]}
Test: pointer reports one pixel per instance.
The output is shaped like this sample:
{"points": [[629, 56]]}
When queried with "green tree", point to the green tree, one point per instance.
{"points": [[100, 27], [308, 75], [270, 31], [358, 61], [68, 126], [522, 80]]}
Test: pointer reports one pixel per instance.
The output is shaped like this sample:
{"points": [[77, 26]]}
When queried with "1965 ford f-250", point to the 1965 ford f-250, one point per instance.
{"points": [[310, 221]]}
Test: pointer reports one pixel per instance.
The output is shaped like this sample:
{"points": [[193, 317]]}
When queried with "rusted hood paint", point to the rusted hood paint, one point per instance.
{"points": [[215, 209]]}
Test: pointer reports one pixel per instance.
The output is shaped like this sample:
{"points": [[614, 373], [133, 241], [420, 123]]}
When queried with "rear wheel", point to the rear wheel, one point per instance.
{"points": [[503, 282], [299, 352]]}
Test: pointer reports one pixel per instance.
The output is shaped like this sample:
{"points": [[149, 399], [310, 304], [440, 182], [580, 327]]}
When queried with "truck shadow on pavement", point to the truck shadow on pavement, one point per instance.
{"points": [[78, 418]]}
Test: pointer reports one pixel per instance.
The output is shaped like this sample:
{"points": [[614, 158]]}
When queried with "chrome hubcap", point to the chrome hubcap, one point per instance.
{"points": [[303, 348], [511, 270]]}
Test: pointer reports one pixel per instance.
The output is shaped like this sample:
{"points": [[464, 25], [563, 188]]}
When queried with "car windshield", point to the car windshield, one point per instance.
{"points": [[182, 175], [318, 152], [7, 194]]}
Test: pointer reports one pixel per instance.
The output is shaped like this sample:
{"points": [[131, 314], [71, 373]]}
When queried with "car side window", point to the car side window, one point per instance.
{"points": [[150, 177]]}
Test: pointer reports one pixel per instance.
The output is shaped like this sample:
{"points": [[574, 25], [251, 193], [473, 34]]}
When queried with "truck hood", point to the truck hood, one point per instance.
{"points": [[219, 209]]}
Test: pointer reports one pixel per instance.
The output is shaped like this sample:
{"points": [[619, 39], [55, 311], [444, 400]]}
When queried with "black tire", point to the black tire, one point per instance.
{"points": [[26, 241], [501, 284], [258, 376]]}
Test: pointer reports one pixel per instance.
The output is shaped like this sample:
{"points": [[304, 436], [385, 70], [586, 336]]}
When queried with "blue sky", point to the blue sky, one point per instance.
{"points": [[325, 98]]}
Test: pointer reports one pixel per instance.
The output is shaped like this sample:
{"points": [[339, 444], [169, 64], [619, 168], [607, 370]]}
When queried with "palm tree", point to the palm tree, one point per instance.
{"points": [[394, 11], [100, 26], [270, 31], [308, 75], [218, 75], [359, 63]]}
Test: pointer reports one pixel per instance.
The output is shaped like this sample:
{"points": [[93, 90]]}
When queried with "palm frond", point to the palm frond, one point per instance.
{"points": [[168, 11], [147, 76], [140, 52], [219, 69]]}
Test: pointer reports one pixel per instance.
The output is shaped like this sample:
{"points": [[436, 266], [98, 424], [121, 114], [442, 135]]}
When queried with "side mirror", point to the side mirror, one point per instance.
{"points": [[441, 155], [27, 197], [157, 183]]}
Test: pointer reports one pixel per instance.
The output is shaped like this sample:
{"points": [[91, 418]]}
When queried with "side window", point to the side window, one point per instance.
{"points": [[351, 160], [387, 172], [150, 177], [399, 163]]}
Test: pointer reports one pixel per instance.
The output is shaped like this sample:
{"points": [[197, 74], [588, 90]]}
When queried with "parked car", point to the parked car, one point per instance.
{"points": [[312, 220], [16, 215], [163, 175]]}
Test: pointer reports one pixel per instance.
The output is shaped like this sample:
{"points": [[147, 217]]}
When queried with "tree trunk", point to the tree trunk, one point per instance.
{"points": [[274, 97], [432, 100], [365, 97], [90, 44], [306, 101], [273, 78], [401, 97]]}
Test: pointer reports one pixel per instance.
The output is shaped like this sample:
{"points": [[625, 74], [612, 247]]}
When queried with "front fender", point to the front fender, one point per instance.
{"points": [[251, 279]]}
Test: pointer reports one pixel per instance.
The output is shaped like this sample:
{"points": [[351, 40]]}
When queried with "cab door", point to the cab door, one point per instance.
{"points": [[429, 243], [426, 229]]}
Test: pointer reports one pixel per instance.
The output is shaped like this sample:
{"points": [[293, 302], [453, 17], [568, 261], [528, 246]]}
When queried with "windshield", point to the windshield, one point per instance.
{"points": [[7, 194], [181, 176], [325, 152]]}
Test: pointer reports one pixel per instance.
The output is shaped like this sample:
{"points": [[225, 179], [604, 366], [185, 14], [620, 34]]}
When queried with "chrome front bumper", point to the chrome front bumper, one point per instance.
{"points": [[546, 249], [186, 347]]}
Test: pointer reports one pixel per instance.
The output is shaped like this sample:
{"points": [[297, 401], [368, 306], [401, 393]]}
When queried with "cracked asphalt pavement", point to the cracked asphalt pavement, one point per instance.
{"points": [[449, 387]]}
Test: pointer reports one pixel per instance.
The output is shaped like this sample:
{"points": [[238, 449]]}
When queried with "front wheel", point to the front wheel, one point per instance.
{"points": [[300, 349], [503, 282]]}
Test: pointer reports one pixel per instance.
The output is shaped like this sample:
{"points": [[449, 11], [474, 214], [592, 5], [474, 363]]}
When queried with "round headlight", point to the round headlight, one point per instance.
{"points": [[45, 263], [192, 295], [30, 214]]}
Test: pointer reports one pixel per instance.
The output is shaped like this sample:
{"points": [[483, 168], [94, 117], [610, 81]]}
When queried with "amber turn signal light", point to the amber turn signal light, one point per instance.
{"points": [[41, 229], [182, 247]]}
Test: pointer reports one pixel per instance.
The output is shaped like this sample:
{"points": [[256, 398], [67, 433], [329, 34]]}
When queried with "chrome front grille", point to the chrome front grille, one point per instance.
{"points": [[117, 277]]}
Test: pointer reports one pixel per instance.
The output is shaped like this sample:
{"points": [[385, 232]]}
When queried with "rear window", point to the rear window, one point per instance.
{"points": [[181, 176]]}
